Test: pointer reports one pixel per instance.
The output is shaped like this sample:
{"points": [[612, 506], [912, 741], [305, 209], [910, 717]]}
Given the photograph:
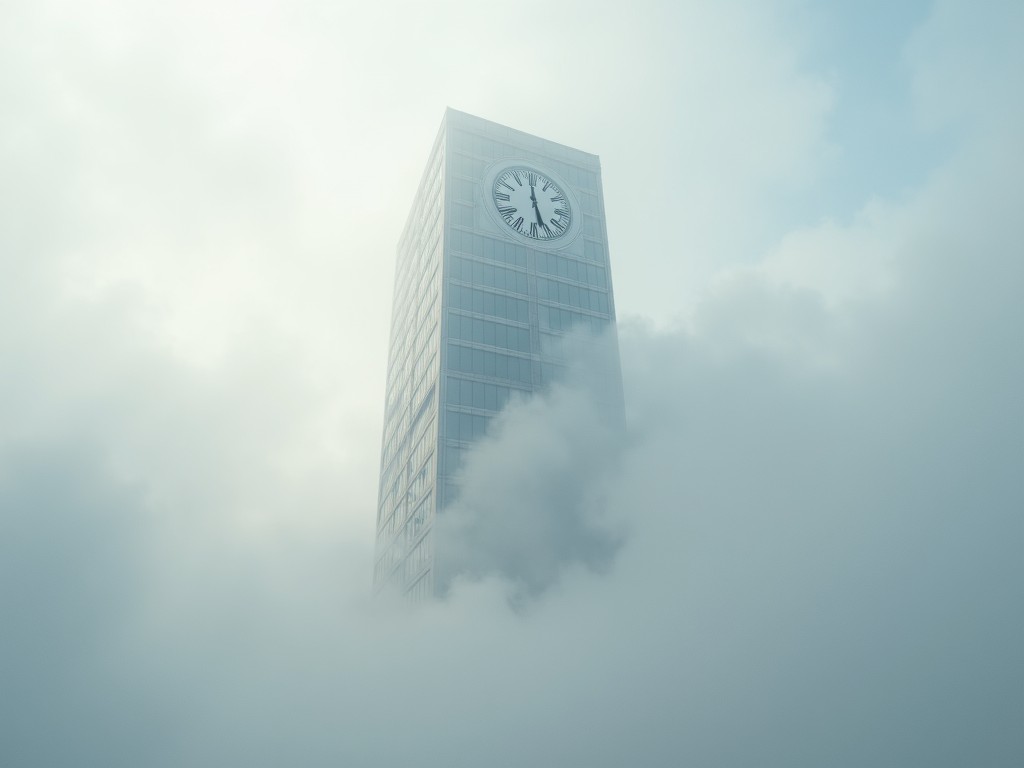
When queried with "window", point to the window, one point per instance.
{"points": [[593, 251], [488, 303]]}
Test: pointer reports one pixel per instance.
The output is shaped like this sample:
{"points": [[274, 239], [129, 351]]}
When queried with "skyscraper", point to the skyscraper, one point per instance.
{"points": [[504, 251]]}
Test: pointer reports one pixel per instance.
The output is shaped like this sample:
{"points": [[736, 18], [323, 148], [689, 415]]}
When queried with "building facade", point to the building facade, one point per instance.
{"points": [[504, 251]]}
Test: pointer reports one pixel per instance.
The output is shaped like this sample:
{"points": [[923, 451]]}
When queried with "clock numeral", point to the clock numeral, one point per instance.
{"points": [[507, 186], [558, 225], [558, 199], [518, 224], [503, 196], [506, 210], [515, 175], [532, 178], [546, 185], [533, 229], [561, 212], [547, 230]]}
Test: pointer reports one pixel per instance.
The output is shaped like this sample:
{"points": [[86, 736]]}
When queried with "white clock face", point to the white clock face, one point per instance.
{"points": [[531, 204]]}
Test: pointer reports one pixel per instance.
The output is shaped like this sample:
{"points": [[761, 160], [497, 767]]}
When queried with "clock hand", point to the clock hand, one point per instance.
{"points": [[536, 208]]}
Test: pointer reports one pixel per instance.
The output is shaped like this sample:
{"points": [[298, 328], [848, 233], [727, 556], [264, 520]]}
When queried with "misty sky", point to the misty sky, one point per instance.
{"points": [[816, 238]]}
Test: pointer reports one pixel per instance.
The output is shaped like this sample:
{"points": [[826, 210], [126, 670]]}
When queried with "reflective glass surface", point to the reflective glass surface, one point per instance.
{"points": [[478, 321]]}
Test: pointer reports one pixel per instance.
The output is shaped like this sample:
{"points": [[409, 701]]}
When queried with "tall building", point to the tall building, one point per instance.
{"points": [[504, 251]]}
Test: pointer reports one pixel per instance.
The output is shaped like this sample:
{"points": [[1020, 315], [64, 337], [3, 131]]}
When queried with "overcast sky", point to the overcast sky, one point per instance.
{"points": [[813, 524]]}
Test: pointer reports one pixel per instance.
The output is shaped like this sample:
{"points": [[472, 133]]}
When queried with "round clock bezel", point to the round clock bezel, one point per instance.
{"points": [[490, 204]]}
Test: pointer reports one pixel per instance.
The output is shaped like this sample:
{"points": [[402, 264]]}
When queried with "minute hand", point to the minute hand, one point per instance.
{"points": [[536, 208]]}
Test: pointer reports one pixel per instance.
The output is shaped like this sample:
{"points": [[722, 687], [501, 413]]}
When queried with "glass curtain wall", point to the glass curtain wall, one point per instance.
{"points": [[477, 321], [408, 470]]}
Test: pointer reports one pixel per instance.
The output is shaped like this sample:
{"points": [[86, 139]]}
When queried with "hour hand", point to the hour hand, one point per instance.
{"points": [[536, 210]]}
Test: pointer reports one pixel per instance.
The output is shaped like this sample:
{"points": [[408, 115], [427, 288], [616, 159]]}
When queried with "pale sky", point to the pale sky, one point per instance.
{"points": [[816, 242]]}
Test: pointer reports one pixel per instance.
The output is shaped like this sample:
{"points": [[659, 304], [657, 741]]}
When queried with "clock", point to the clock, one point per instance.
{"points": [[531, 203]]}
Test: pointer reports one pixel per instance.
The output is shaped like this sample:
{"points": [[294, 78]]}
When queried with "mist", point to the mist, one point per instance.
{"points": [[801, 546]]}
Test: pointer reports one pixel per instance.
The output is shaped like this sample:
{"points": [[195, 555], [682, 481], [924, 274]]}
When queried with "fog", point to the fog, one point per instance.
{"points": [[804, 545]]}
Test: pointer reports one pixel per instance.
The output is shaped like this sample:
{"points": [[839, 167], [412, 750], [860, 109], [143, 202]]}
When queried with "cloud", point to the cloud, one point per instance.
{"points": [[531, 497]]}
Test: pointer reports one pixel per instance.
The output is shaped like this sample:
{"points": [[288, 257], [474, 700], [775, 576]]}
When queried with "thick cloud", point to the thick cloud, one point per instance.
{"points": [[804, 551], [533, 494]]}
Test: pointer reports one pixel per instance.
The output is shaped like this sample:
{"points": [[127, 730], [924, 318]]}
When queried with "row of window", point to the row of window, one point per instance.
{"points": [[426, 380], [415, 302], [562, 346], [420, 222], [448, 492], [557, 319], [395, 398], [466, 427], [588, 202], [485, 363], [552, 345], [493, 334], [387, 477], [418, 519], [420, 486], [392, 460], [551, 372], [411, 377], [392, 516], [479, 273], [517, 255], [415, 366], [475, 144], [424, 445], [467, 166], [422, 409], [515, 281], [394, 437], [411, 364], [414, 253], [412, 561], [487, 303], [430, 186], [581, 272], [391, 441], [386, 561], [594, 251], [421, 481], [417, 559], [463, 190], [488, 248], [574, 296], [409, 562], [453, 456], [422, 590], [422, 435], [592, 226], [478, 394], [423, 345], [576, 176], [462, 215], [412, 315]]}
